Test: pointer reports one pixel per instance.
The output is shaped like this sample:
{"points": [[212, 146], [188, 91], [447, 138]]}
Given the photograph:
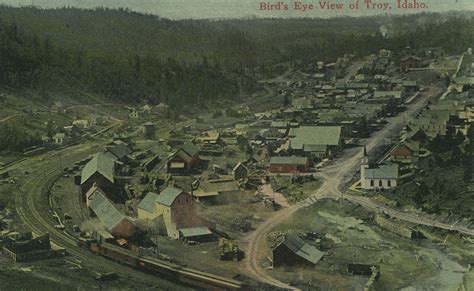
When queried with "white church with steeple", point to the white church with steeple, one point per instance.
{"points": [[382, 176]]}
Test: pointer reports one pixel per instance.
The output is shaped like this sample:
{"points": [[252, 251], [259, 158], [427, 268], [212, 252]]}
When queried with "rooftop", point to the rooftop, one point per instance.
{"points": [[103, 164], [380, 94], [292, 160], [383, 171], [195, 231], [168, 195], [315, 135], [119, 150], [302, 249], [107, 213], [148, 202]]}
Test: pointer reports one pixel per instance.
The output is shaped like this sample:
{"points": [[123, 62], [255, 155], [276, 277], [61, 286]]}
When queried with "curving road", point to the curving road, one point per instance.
{"points": [[336, 177]]}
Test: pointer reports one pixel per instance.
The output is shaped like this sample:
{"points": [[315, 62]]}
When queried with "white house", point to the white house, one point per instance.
{"points": [[383, 176], [60, 138], [81, 123]]}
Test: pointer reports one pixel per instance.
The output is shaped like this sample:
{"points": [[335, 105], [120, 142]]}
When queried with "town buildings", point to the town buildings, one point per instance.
{"points": [[291, 164], [316, 141], [378, 177], [111, 218], [176, 207], [100, 171], [184, 159]]}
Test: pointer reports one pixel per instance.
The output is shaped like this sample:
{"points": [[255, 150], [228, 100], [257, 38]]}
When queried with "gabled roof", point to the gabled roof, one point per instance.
{"points": [[315, 135], [168, 195], [190, 148], [292, 160], [240, 164], [383, 171], [357, 85], [411, 58], [120, 150], [380, 94], [402, 150], [195, 231], [218, 187], [105, 210], [187, 151], [148, 202], [279, 124], [103, 164], [302, 249], [315, 148], [59, 135]]}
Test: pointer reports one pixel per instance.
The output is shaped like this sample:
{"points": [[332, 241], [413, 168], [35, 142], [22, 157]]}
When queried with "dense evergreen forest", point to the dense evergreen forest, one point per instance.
{"points": [[127, 56]]}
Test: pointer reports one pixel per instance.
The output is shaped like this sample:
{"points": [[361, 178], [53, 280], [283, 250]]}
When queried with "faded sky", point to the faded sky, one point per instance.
{"points": [[179, 9]]}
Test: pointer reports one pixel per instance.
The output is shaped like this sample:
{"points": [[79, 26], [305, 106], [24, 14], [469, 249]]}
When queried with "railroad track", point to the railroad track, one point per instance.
{"points": [[32, 207], [29, 198]]}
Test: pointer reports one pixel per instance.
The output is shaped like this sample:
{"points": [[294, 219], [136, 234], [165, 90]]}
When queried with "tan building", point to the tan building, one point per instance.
{"points": [[177, 207]]}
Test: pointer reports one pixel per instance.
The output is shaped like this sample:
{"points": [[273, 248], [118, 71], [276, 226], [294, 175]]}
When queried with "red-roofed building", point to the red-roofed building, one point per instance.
{"points": [[402, 153]]}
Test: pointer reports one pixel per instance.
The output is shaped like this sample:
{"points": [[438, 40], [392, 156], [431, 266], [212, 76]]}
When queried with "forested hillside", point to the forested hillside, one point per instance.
{"points": [[127, 56]]}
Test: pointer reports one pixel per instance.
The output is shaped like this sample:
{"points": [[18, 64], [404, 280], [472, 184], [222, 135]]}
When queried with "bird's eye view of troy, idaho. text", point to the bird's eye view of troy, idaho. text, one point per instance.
{"points": [[237, 145]]}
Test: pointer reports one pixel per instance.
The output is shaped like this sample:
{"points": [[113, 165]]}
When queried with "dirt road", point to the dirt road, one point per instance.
{"points": [[336, 177]]}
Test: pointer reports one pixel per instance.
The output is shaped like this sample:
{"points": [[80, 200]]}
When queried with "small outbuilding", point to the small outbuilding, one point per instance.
{"points": [[295, 251], [60, 138], [196, 234]]}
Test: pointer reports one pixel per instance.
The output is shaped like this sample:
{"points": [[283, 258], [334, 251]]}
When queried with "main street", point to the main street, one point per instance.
{"points": [[336, 177]]}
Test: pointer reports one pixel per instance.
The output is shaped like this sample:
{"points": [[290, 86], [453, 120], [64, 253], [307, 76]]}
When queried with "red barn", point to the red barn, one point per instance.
{"points": [[291, 164]]}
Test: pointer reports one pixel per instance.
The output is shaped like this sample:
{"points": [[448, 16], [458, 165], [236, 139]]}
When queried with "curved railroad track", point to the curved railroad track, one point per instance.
{"points": [[32, 207]]}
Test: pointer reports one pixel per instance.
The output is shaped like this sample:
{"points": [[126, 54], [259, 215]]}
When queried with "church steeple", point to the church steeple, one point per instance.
{"points": [[365, 158], [364, 165]]}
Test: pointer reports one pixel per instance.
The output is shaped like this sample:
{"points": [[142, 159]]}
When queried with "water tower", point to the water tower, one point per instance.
{"points": [[149, 130]]}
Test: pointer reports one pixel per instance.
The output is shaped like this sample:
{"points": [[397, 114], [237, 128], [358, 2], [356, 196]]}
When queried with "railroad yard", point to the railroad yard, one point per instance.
{"points": [[290, 188]]}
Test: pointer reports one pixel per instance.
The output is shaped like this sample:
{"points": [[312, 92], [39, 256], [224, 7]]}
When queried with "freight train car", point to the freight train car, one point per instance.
{"points": [[167, 270]]}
